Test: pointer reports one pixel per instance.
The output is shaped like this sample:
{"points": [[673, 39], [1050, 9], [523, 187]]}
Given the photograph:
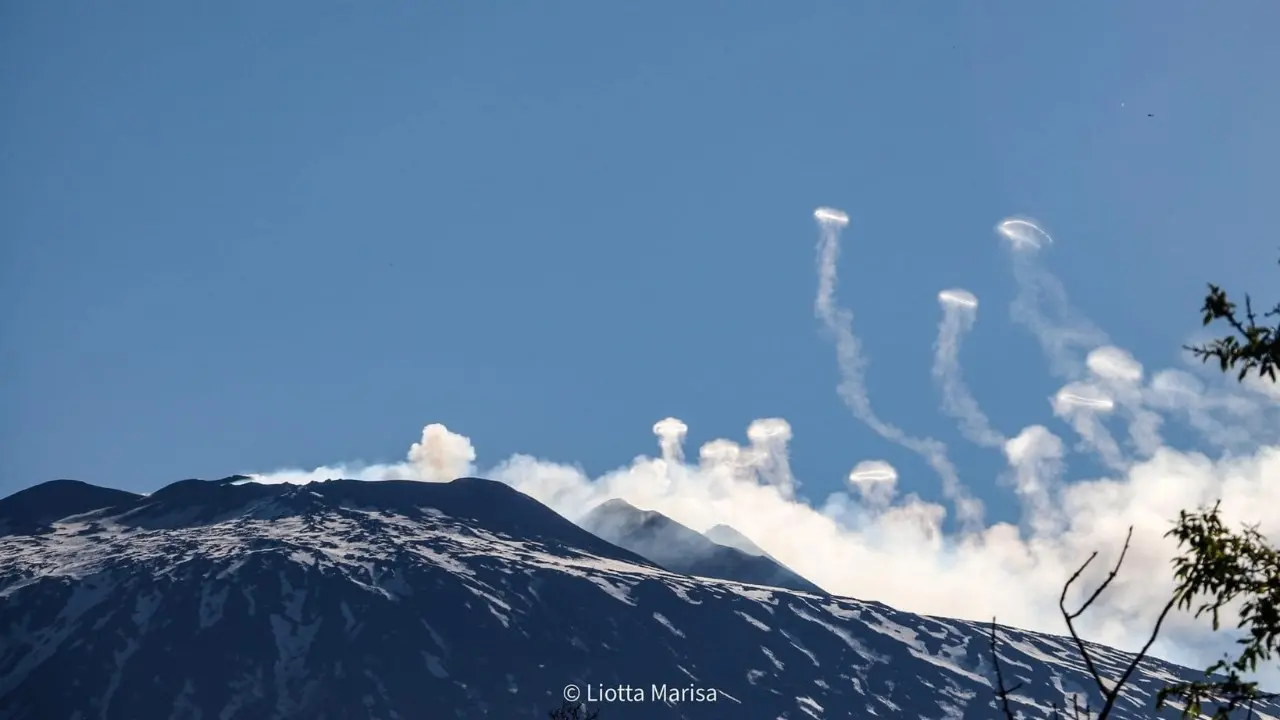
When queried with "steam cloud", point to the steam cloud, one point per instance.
{"points": [[869, 542]]}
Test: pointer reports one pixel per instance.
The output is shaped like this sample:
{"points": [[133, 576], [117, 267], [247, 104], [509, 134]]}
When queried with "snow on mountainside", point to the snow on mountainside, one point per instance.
{"points": [[467, 599], [677, 548], [32, 509]]}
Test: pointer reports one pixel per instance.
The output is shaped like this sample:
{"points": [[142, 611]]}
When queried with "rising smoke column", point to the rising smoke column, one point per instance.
{"points": [[875, 481], [765, 460], [441, 455], [671, 433], [1035, 456], [770, 456], [1083, 405], [959, 311], [1061, 331], [853, 387], [1042, 307]]}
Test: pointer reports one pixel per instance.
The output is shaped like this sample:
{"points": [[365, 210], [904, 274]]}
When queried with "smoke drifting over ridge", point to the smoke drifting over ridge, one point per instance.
{"points": [[869, 542]]}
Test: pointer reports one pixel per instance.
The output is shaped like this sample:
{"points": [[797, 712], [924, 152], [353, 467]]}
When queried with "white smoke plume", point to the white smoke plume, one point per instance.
{"points": [[875, 481], [441, 456], [853, 385], [671, 433], [1084, 406], [1036, 457], [870, 542], [959, 311], [1041, 305]]}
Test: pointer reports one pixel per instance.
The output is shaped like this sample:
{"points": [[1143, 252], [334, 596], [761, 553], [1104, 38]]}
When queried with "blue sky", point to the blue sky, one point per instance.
{"points": [[265, 235]]}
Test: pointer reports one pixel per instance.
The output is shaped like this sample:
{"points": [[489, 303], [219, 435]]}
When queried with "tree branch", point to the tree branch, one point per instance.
{"points": [[1071, 617], [1253, 345], [1137, 659], [1109, 694], [1001, 691]]}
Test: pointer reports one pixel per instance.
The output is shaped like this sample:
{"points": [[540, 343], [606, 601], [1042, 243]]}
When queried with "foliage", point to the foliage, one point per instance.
{"points": [[1222, 566], [1253, 346], [1219, 565]]}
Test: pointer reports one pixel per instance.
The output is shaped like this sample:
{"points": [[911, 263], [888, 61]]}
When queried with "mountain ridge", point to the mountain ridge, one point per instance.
{"points": [[32, 508], [730, 537], [681, 549], [465, 599]]}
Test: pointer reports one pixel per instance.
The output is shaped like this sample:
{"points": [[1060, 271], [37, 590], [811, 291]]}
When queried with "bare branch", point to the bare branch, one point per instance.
{"points": [[1001, 691], [1071, 617], [1112, 693], [1110, 697]]}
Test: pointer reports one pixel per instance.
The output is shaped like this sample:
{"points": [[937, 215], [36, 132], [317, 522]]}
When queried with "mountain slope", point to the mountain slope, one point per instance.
{"points": [[32, 509], [680, 549], [730, 537], [458, 600]]}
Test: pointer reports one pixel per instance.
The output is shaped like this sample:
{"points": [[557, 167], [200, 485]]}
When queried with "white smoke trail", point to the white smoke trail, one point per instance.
{"points": [[1178, 392], [853, 388], [1039, 292], [1083, 406], [959, 311]]}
